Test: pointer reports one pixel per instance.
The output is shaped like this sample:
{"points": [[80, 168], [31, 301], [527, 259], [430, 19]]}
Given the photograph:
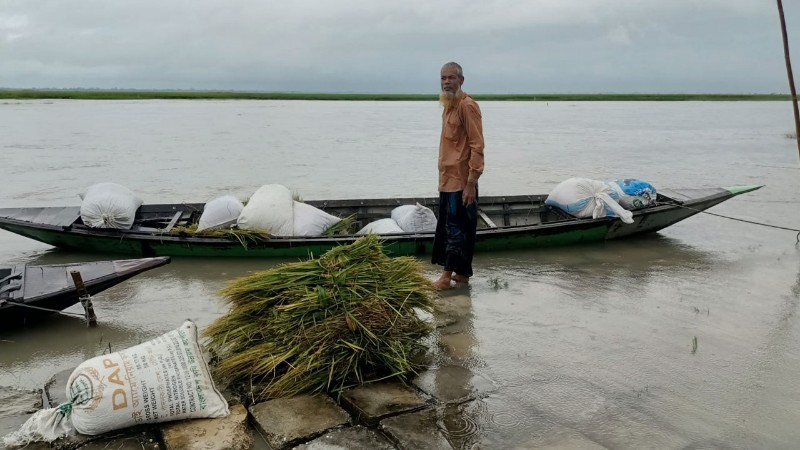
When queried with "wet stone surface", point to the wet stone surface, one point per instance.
{"points": [[351, 438], [454, 384], [453, 306], [415, 431], [289, 421], [138, 441], [225, 433], [458, 346], [56, 387], [372, 402]]}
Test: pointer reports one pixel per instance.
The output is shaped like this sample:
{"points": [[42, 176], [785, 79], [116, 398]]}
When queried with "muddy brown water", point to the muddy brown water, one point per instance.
{"points": [[583, 344]]}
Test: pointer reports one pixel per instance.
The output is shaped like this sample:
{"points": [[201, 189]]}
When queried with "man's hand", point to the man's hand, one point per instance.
{"points": [[468, 196]]}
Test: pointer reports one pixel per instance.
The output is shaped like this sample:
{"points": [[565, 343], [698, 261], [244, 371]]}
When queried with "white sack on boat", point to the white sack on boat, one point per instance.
{"points": [[221, 212], [382, 226], [582, 197], [270, 209], [109, 205], [634, 194], [415, 218], [311, 221], [160, 380]]}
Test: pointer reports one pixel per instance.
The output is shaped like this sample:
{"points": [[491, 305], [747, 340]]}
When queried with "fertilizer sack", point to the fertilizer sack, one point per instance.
{"points": [[221, 212], [160, 380], [311, 221], [634, 194], [415, 218], [582, 197], [382, 226], [109, 205], [270, 209]]}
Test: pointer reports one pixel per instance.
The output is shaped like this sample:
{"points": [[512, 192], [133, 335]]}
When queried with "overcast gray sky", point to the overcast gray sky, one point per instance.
{"points": [[505, 46]]}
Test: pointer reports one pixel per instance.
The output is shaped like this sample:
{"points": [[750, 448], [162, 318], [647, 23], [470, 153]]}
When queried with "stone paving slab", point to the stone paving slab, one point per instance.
{"points": [[460, 346], [224, 433], [453, 305], [415, 431], [454, 384], [351, 438], [15, 402], [138, 441], [56, 387], [288, 421], [372, 402]]}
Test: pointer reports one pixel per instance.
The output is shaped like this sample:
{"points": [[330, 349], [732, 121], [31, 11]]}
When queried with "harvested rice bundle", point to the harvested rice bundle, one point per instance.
{"points": [[325, 324]]}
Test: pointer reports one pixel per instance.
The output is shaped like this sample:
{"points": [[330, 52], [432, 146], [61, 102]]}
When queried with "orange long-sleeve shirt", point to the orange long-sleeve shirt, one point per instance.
{"points": [[461, 145]]}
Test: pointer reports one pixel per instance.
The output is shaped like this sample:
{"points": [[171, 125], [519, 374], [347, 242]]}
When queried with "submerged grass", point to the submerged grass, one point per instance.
{"points": [[326, 324]]}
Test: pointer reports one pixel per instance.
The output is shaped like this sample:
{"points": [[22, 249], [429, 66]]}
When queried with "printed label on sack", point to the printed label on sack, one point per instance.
{"points": [[159, 380]]}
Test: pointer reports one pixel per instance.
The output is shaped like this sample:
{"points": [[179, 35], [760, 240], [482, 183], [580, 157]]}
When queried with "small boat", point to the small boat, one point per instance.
{"points": [[29, 293], [506, 222]]}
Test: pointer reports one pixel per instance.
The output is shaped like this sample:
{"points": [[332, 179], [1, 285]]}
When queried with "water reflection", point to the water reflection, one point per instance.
{"points": [[26, 362], [453, 378]]}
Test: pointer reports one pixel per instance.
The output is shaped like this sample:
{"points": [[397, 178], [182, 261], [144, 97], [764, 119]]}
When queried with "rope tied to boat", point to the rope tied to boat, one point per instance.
{"points": [[736, 219], [81, 316]]}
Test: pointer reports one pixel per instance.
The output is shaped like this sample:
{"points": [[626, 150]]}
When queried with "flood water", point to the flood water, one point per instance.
{"points": [[568, 347]]}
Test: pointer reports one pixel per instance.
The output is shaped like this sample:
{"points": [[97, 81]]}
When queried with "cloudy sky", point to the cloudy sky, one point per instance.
{"points": [[505, 46]]}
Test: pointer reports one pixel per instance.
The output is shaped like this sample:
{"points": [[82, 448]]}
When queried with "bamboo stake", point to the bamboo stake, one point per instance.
{"points": [[791, 77], [86, 299]]}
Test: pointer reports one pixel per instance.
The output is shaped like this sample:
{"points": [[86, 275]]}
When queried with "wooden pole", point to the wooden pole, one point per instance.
{"points": [[86, 299], [791, 77]]}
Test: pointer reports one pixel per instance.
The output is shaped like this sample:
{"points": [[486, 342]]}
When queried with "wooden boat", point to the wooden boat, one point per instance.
{"points": [[510, 222], [29, 293]]}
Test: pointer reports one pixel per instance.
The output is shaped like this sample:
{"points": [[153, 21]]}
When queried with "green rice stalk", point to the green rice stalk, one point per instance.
{"points": [[344, 227], [325, 324]]}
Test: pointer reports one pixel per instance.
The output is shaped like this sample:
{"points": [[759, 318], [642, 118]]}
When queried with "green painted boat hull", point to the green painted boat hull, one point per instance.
{"points": [[60, 232]]}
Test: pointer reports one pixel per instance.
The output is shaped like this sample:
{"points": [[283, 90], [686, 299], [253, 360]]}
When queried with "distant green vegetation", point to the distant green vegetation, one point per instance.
{"points": [[220, 95]]}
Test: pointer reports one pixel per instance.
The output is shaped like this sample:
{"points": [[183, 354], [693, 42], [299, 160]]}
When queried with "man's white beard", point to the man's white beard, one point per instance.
{"points": [[447, 99]]}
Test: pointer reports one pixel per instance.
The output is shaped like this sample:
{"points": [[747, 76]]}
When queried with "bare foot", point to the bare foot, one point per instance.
{"points": [[460, 278], [442, 284]]}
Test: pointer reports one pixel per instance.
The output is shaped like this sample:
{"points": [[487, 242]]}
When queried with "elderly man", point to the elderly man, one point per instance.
{"points": [[460, 166]]}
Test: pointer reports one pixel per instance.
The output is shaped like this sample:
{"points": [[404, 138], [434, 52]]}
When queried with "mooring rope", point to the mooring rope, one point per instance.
{"points": [[737, 219], [81, 316]]}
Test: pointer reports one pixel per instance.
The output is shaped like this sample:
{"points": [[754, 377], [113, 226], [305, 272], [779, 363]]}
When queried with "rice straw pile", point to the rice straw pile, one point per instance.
{"points": [[325, 324]]}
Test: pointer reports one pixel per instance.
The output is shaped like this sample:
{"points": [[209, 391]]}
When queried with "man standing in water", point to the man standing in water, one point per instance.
{"points": [[460, 166]]}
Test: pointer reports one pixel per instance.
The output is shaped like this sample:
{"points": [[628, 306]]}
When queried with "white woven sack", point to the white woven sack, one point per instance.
{"points": [[311, 221], [220, 213], [160, 380], [415, 218], [109, 205], [270, 209], [582, 197], [381, 226]]}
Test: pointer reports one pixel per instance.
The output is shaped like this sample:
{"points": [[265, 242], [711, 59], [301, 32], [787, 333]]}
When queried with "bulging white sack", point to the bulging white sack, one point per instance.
{"points": [[582, 197], [271, 209], [109, 205], [382, 226], [160, 380], [220, 213], [311, 221], [415, 218]]}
